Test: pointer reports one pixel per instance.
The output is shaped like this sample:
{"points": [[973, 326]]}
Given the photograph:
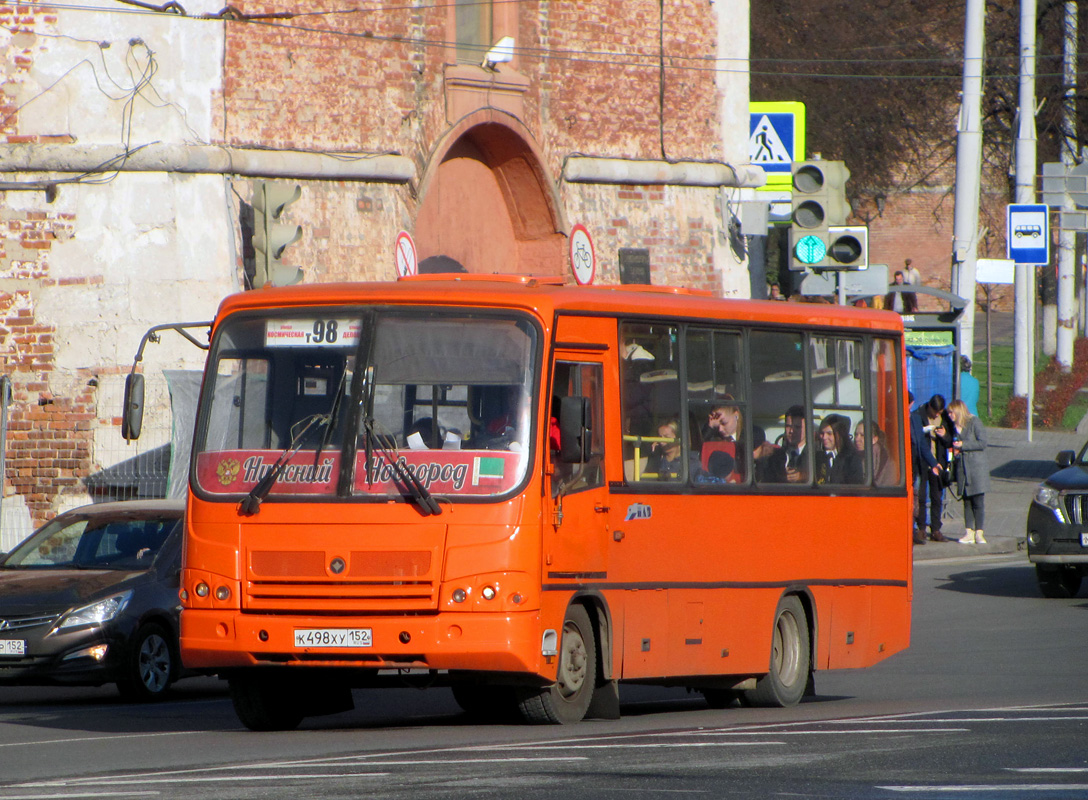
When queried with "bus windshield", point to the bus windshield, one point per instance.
{"points": [[345, 404]]}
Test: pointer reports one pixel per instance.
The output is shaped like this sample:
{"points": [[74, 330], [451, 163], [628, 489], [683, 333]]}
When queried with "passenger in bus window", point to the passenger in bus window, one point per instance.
{"points": [[837, 460], [666, 461], [884, 470], [793, 442], [724, 424], [768, 459]]}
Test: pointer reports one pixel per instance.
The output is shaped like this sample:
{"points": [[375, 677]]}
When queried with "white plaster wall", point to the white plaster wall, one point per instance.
{"points": [[88, 67], [734, 93], [144, 248]]}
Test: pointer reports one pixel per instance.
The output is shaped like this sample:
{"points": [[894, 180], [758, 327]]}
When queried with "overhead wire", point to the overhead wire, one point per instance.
{"points": [[648, 59]]}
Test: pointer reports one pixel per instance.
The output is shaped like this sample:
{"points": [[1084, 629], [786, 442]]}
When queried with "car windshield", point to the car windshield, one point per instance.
{"points": [[91, 543], [358, 402]]}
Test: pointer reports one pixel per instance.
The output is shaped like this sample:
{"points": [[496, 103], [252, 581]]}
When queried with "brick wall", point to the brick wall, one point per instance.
{"points": [[50, 432], [919, 225]]}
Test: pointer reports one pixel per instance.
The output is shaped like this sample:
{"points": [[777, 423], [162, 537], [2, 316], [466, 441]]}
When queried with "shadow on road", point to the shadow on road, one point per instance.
{"points": [[1016, 581], [1024, 470]]}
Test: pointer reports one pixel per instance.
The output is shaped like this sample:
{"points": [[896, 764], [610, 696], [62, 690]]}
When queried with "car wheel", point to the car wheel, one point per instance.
{"points": [[150, 666], [1058, 583]]}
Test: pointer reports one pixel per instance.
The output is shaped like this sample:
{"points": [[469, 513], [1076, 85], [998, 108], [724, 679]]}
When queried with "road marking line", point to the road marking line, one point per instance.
{"points": [[982, 788], [99, 738]]}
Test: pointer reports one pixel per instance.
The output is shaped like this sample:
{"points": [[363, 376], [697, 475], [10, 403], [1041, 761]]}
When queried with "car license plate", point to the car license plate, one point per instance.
{"points": [[333, 637], [12, 647]]}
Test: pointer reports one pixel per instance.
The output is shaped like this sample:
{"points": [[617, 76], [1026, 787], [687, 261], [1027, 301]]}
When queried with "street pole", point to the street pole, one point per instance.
{"points": [[1023, 384], [1068, 239], [968, 173]]}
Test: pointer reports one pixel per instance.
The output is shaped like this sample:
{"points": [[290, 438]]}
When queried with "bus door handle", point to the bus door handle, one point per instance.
{"points": [[601, 509]]}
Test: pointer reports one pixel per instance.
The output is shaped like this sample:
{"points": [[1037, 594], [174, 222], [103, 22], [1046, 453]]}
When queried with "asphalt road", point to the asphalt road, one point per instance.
{"points": [[991, 700]]}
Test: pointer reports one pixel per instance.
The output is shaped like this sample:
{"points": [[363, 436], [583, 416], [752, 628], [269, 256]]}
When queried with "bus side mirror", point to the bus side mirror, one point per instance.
{"points": [[132, 415], [574, 429]]}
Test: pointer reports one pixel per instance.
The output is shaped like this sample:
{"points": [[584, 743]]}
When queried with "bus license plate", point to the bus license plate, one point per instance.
{"points": [[12, 647], [333, 637]]}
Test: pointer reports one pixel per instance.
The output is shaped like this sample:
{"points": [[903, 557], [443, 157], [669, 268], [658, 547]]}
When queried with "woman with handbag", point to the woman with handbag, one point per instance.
{"points": [[972, 473]]}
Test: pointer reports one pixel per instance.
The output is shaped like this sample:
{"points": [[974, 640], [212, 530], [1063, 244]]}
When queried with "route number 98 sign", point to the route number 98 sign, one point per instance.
{"points": [[313, 332]]}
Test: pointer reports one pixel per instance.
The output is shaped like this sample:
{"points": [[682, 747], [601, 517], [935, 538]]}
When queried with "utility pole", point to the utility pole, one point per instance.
{"points": [[1067, 238], [1023, 322], [968, 173]]}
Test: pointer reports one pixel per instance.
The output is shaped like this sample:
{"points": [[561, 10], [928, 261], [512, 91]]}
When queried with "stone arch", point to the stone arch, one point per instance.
{"points": [[487, 202]]}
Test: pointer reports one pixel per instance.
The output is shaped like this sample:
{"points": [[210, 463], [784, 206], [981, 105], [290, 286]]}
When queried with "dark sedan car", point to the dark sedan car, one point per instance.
{"points": [[92, 597], [1058, 527]]}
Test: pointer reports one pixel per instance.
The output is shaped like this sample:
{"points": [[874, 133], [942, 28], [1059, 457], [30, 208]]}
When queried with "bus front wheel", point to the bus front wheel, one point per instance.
{"points": [[785, 684], [263, 704], [567, 700]]}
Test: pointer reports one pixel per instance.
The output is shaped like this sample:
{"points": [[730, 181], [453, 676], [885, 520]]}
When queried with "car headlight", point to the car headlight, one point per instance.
{"points": [[95, 613], [1049, 497]]}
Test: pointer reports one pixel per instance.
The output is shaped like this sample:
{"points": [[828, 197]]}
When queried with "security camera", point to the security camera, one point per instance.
{"points": [[500, 53]]}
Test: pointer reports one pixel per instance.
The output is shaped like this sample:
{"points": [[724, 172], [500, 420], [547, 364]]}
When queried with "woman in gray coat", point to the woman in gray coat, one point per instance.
{"points": [[972, 471]]}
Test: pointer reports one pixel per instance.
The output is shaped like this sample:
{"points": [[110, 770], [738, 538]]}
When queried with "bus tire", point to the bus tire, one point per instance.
{"points": [[718, 699], [567, 700], [784, 685], [490, 703], [264, 704], [1057, 583]]}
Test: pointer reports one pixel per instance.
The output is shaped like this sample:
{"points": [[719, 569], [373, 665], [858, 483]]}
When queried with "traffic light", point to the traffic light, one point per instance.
{"points": [[818, 201], [847, 247], [271, 238]]}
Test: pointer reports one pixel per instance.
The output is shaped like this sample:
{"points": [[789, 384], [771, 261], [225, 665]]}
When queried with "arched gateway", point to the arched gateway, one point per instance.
{"points": [[487, 201]]}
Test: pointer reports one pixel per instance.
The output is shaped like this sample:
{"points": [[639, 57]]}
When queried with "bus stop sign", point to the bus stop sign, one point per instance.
{"points": [[1027, 234]]}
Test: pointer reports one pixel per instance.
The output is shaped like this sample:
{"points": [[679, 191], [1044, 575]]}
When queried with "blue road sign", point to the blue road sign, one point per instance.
{"points": [[776, 136], [1027, 234]]}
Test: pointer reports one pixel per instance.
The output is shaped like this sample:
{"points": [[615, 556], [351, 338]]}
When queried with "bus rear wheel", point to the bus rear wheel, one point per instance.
{"points": [[263, 703], [785, 684], [567, 700]]}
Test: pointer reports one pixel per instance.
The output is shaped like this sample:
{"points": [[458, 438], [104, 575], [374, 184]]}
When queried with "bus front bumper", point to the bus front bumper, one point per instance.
{"points": [[224, 640]]}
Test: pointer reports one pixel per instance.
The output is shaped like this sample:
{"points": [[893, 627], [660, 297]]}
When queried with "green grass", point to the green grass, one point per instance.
{"points": [[992, 402], [1002, 388]]}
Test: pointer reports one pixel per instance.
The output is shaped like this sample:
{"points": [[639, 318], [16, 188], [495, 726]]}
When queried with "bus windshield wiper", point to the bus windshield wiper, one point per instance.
{"points": [[251, 503], [420, 493]]}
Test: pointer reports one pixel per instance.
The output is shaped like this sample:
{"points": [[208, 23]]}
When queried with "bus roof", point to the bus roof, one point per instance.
{"points": [[548, 296]]}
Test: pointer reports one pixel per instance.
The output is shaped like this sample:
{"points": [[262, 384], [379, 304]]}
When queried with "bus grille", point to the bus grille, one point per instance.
{"points": [[369, 581]]}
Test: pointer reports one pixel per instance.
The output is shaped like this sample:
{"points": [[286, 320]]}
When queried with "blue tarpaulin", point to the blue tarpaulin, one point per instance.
{"points": [[930, 371]]}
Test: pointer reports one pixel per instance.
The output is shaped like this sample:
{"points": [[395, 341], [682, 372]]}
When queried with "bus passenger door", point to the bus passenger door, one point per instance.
{"points": [[576, 535]]}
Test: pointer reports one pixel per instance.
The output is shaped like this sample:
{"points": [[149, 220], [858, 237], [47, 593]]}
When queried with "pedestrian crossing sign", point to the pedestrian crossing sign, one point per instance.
{"points": [[776, 138]]}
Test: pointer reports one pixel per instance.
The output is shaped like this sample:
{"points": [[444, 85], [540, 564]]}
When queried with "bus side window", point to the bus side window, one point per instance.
{"points": [[650, 389], [585, 380]]}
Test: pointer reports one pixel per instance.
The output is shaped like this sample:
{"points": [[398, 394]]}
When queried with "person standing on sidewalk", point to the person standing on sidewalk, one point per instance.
{"points": [[969, 386], [925, 466], [936, 440], [972, 471]]}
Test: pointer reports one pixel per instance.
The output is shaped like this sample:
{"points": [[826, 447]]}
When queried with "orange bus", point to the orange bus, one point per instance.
{"points": [[530, 492]]}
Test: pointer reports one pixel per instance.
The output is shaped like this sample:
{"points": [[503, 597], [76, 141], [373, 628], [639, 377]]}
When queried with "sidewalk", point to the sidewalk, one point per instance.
{"points": [[1017, 466]]}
